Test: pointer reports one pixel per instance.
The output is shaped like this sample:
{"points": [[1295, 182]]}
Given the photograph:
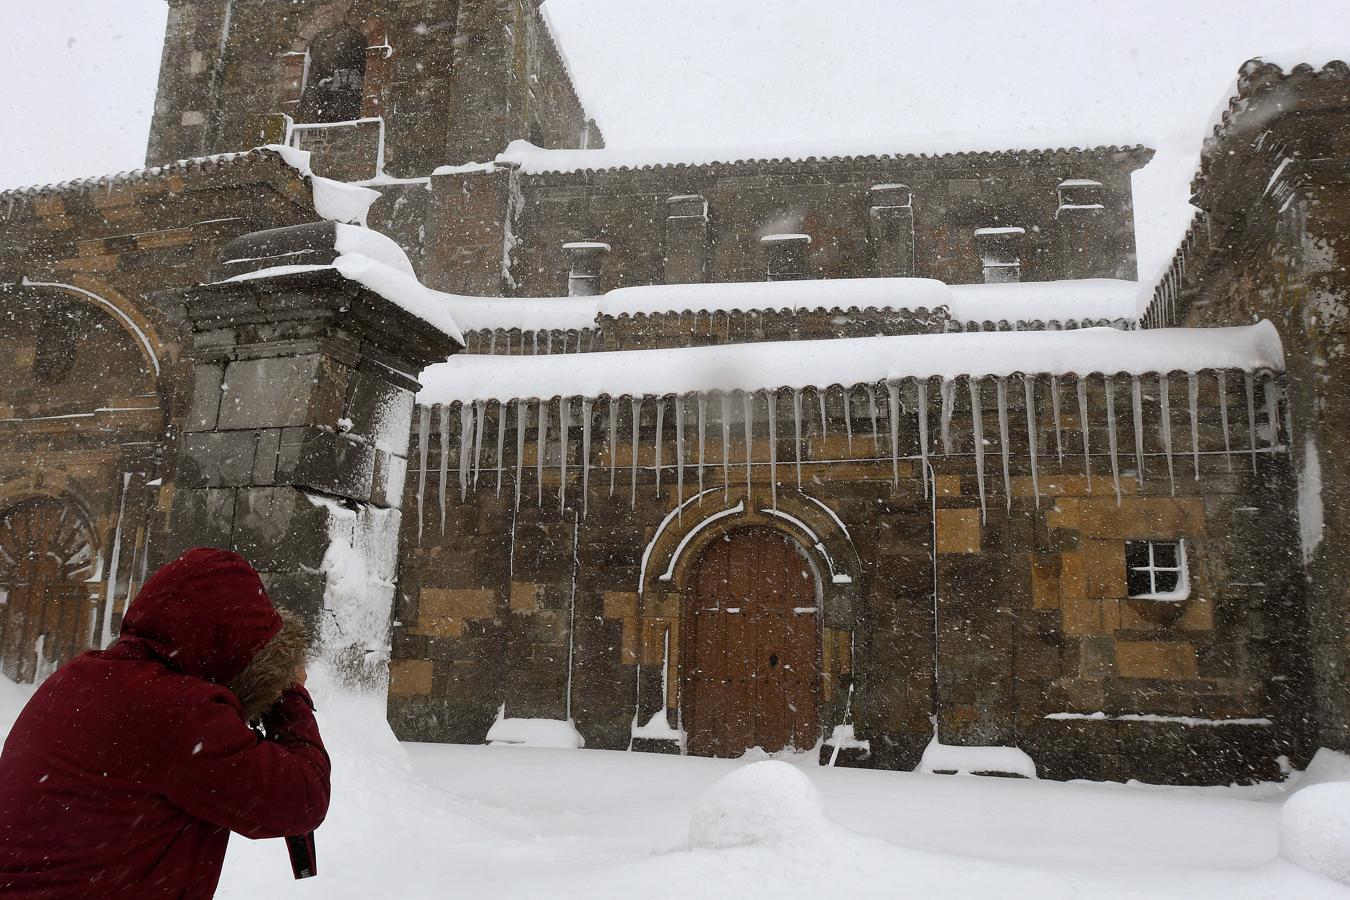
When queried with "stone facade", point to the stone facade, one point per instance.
{"points": [[972, 540]]}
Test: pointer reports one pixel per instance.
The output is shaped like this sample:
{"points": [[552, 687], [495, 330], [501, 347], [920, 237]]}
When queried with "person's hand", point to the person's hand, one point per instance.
{"points": [[300, 675]]}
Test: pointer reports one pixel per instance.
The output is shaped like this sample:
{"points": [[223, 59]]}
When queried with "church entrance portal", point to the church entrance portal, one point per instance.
{"points": [[752, 627]]}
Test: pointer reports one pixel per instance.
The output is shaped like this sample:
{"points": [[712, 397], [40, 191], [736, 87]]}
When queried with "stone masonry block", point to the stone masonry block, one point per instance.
{"points": [[408, 677], [1045, 581], [280, 391], [217, 459], [205, 409], [436, 603], [1104, 566], [524, 596], [618, 605], [265, 459], [958, 531], [1158, 660], [280, 529]]}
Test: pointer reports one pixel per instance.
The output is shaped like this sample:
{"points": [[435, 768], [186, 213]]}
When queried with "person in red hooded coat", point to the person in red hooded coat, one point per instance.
{"points": [[129, 767]]}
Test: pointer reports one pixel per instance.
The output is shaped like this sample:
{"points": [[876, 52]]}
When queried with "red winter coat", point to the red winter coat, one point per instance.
{"points": [[129, 767]]}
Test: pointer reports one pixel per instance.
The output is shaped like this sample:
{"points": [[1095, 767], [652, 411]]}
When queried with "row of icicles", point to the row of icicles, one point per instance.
{"points": [[725, 406]]}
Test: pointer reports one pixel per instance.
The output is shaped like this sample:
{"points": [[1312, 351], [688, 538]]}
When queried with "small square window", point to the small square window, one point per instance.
{"points": [[1156, 570]]}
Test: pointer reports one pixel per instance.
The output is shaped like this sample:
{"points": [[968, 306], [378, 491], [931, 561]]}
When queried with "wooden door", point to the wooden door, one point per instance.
{"points": [[752, 666], [48, 608]]}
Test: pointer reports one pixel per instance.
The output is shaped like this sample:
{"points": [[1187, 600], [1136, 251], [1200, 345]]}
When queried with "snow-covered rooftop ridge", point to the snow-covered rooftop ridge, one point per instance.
{"points": [[851, 361], [533, 160], [1095, 300], [380, 265]]}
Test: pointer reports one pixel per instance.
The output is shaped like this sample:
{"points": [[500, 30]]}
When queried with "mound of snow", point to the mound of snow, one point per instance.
{"points": [[963, 760], [1315, 829], [765, 804], [1328, 766], [549, 733]]}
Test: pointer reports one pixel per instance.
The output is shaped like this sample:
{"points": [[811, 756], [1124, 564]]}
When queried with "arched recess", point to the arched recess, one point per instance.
{"points": [[137, 326], [669, 583], [68, 348], [338, 25], [49, 562]]}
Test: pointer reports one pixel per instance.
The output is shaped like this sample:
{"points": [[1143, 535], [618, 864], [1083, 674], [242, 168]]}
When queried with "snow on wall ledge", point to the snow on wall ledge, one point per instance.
{"points": [[1091, 299], [849, 361]]}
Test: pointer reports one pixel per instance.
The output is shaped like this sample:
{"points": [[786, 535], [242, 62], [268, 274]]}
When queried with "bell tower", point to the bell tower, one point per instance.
{"points": [[367, 86]]}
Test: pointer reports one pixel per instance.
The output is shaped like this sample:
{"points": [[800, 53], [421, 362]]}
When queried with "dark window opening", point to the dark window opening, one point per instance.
{"points": [[1156, 570], [335, 83]]}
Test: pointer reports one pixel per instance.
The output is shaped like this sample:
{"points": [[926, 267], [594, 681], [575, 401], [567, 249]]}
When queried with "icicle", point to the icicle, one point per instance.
{"points": [[501, 443], [465, 447], [824, 420], [1004, 449], [522, 422], [1193, 398], [564, 423], [445, 463], [875, 414], [1055, 410], [1029, 387], [1086, 428], [1137, 393], [893, 410], [1251, 416], [539, 448], [637, 427], [846, 395], [772, 398], [1223, 418], [748, 400], [679, 456], [1165, 405], [480, 420], [586, 410], [660, 439], [948, 403], [923, 431], [613, 443], [726, 440], [977, 429], [1272, 410], [423, 430], [797, 432], [1111, 433], [702, 422]]}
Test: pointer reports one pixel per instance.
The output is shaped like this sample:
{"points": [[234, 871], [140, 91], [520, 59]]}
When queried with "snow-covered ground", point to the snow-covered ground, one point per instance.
{"points": [[433, 821]]}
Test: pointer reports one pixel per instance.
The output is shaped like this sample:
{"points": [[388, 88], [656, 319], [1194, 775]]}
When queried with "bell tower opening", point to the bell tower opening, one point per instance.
{"points": [[335, 78]]}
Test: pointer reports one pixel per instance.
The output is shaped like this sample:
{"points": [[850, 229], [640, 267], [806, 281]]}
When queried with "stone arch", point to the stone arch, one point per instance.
{"points": [[49, 570], [669, 566], [131, 319]]}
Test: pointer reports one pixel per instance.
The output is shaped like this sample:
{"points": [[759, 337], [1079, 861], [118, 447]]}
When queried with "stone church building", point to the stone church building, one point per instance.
{"points": [[873, 452]]}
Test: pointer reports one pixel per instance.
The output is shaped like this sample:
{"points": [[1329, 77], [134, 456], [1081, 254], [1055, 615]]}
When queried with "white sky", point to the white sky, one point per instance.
{"points": [[80, 76]]}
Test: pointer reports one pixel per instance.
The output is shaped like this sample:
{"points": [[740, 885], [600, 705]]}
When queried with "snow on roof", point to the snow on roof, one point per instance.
{"points": [[1093, 299], [380, 265], [801, 364], [200, 163], [1007, 229], [334, 200], [777, 238], [1079, 182], [532, 160]]}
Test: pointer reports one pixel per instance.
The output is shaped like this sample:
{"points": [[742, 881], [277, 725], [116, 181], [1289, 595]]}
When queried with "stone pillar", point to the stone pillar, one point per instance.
{"points": [[295, 449], [587, 263], [785, 256], [686, 259], [891, 221]]}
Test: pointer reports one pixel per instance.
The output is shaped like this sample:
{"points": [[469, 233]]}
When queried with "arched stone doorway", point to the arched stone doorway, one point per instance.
{"points": [[751, 673], [47, 616]]}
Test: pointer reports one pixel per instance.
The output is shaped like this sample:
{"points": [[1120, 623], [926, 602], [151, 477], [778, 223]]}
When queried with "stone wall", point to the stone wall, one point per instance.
{"points": [[832, 201], [1275, 193], [504, 587]]}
